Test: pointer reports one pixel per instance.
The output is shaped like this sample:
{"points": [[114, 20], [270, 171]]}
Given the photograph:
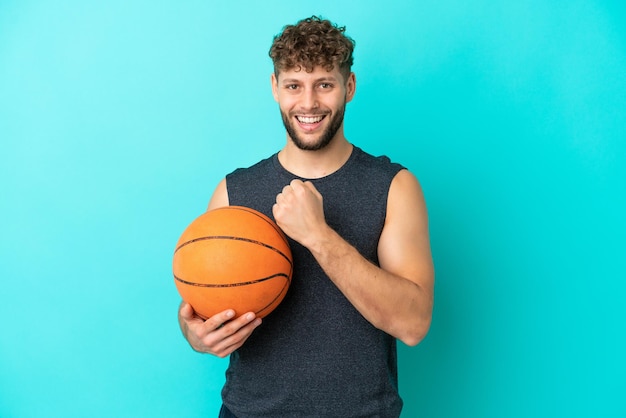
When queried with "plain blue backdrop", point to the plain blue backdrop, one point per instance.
{"points": [[118, 118]]}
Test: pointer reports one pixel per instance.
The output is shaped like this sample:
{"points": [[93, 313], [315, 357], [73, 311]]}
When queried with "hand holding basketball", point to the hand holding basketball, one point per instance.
{"points": [[299, 211], [219, 335]]}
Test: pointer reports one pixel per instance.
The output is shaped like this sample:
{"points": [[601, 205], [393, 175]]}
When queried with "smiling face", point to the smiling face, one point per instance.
{"points": [[312, 105]]}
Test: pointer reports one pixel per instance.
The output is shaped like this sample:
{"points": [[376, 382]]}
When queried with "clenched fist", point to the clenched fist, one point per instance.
{"points": [[299, 212]]}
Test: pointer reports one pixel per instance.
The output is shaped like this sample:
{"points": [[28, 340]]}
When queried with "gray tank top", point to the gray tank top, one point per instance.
{"points": [[315, 355]]}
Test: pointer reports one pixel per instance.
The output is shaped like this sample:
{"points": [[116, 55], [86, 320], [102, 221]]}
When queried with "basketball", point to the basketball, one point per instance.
{"points": [[232, 257]]}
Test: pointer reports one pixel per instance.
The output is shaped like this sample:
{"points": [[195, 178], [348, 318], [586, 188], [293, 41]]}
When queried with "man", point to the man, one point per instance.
{"points": [[363, 272]]}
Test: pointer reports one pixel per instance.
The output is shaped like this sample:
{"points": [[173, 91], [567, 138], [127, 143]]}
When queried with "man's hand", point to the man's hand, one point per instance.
{"points": [[219, 335], [299, 212]]}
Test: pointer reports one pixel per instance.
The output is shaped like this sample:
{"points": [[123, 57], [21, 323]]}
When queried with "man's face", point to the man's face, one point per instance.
{"points": [[312, 105]]}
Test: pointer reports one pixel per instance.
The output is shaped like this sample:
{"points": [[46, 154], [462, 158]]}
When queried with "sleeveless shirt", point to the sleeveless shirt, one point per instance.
{"points": [[315, 355]]}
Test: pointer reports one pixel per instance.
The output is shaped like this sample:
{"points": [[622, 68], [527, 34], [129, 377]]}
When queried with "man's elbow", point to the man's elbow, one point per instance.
{"points": [[417, 333]]}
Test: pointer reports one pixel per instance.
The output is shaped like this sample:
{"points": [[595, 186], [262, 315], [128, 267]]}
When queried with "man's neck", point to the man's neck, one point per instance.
{"points": [[315, 164]]}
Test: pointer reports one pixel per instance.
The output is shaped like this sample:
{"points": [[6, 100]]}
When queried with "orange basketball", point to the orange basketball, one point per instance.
{"points": [[232, 258]]}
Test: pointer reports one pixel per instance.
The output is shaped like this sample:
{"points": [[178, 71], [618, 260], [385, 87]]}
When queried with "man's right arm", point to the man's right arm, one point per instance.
{"points": [[219, 335]]}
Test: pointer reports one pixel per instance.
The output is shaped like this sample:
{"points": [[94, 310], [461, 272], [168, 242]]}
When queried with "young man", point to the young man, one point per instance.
{"points": [[363, 273]]}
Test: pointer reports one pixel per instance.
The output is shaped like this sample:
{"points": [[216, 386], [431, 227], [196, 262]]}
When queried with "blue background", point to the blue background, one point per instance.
{"points": [[118, 118]]}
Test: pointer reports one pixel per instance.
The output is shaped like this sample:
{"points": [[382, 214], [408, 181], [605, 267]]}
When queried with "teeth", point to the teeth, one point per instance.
{"points": [[310, 119]]}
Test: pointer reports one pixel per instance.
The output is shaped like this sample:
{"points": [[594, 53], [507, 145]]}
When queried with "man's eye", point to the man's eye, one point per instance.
{"points": [[326, 85], [292, 86]]}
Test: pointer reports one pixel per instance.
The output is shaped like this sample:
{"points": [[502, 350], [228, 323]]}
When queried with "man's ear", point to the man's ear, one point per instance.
{"points": [[350, 87], [274, 82]]}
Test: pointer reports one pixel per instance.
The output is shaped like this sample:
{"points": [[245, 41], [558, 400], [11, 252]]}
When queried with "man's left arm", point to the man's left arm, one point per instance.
{"points": [[396, 297]]}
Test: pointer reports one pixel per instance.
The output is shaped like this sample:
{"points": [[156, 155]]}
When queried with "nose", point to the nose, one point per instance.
{"points": [[309, 100]]}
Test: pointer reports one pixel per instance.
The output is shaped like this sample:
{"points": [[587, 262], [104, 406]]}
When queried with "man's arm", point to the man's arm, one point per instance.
{"points": [[396, 297], [219, 198], [221, 334]]}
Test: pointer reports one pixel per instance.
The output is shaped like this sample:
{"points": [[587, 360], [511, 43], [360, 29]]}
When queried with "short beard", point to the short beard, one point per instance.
{"points": [[326, 137]]}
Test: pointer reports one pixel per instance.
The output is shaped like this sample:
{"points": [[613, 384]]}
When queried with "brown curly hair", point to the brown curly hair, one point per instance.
{"points": [[310, 43]]}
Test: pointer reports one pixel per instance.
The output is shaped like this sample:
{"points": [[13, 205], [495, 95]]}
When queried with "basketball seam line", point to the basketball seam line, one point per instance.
{"points": [[257, 214], [232, 284], [280, 295], [252, 241]]}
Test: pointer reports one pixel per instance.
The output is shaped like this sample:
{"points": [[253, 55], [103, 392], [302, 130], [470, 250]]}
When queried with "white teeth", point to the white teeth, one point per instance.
{"points": [[310, 119]]}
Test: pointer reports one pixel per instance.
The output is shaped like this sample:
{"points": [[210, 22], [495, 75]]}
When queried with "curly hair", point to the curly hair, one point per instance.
{"points": [[310, 43]]}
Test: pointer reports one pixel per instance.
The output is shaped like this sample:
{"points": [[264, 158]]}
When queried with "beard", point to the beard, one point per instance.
{"points": [[325, 137]]}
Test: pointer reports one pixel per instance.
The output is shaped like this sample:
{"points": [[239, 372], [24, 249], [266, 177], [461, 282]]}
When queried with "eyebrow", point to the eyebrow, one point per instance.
{"points": [[317, 80]]}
